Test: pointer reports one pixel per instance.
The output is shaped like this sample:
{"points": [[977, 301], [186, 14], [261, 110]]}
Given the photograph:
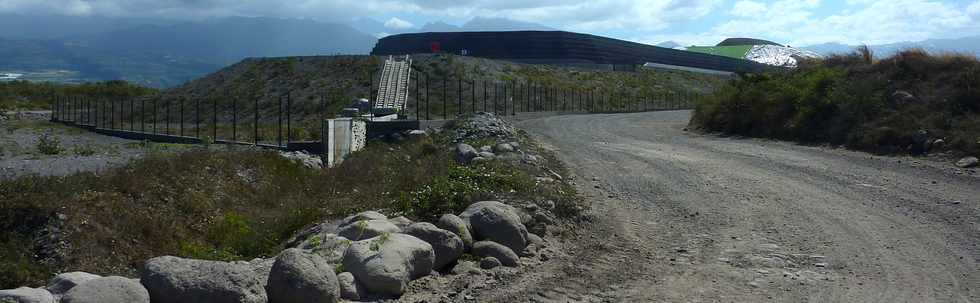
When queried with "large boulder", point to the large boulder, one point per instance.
{"points": [[497, 222], [968, 162], [62, 283], [465, 153], [457, 226], [401, 222], [367, 229], [172, 279], [362, 216], [108, 290], [505, 255], [385, 264], [329, 246], [26, 295], [349, 289], [446, 245], [300, 276]]}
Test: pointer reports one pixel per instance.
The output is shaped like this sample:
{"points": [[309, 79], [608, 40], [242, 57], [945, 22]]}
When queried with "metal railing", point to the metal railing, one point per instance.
{"points": [[279, 122], [266, 122], [448, 97]]}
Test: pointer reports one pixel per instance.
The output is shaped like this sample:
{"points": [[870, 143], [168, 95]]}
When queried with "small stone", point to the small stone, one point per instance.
{"points": [[489, 263], [348, 287], [968, 162], [505, 255], [503, 148]]}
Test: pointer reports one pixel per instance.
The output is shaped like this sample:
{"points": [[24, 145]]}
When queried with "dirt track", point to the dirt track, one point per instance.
{"points": [[682, 217]]}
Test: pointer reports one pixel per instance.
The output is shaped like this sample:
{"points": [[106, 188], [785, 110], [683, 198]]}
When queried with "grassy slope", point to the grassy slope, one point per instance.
{"points": [[344, 78], [24, 95], [737, 52], [848, 101], [237, 204]]}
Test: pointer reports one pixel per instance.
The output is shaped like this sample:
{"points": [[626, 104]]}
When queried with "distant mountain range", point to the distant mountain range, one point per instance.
{"points": [[967, 45], [162, 55], [165, 53], [669, 44]]}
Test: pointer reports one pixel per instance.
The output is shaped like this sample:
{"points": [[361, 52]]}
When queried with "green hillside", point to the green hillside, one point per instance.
{"points": [[737, 52]]}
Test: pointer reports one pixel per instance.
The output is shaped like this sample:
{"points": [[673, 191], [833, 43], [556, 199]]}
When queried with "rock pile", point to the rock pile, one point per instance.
{"points": [[301, 157], [482, 126], [366, 256]]}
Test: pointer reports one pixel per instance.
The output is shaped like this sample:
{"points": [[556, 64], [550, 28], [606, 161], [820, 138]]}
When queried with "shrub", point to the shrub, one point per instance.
{"points": [[853, 100], [48, 144]]}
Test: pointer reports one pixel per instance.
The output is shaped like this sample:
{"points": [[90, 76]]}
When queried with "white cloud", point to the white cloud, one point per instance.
{"points": [[869, 21], [974, 9], [748, 9], [395, 23], [63, 7], [628, 15]]}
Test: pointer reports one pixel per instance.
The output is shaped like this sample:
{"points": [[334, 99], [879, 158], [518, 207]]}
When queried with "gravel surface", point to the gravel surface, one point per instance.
{"points": [[683, 217], [83, 151]]}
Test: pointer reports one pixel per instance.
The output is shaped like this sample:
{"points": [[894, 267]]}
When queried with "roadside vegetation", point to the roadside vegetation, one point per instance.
{"points": [[220, 203], [26, 95], [899, 104]]}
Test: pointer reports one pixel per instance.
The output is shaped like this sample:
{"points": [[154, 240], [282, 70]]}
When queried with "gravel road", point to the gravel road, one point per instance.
{"points": [[684, 217]]}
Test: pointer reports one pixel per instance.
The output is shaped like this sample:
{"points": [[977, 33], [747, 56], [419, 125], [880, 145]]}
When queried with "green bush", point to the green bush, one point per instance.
{"points": [[49, 145], [855, 101], [461, 186]]}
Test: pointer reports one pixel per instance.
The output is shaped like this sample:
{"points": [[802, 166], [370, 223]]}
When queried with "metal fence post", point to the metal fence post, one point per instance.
{"points": [[214, 119], [495, 94], [418, 95], [484, 82], [255, 122], [289, 118], [515, 96], [234, 120], [197, 118], [473, 96], [166, 117], [279, 124], [445, 90], [181, 116], [112, 114], [427, 117], [459, 96]]}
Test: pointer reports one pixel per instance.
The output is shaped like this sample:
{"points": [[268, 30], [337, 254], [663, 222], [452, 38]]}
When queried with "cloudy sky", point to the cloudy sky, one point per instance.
{"points": [[796, 22]]}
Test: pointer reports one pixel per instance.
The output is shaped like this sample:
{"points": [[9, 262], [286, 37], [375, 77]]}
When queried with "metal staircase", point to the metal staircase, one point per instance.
{"points": [[393, 89]]}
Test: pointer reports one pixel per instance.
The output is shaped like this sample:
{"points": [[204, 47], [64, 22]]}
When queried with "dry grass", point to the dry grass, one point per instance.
{"points": [[225, 204]]}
